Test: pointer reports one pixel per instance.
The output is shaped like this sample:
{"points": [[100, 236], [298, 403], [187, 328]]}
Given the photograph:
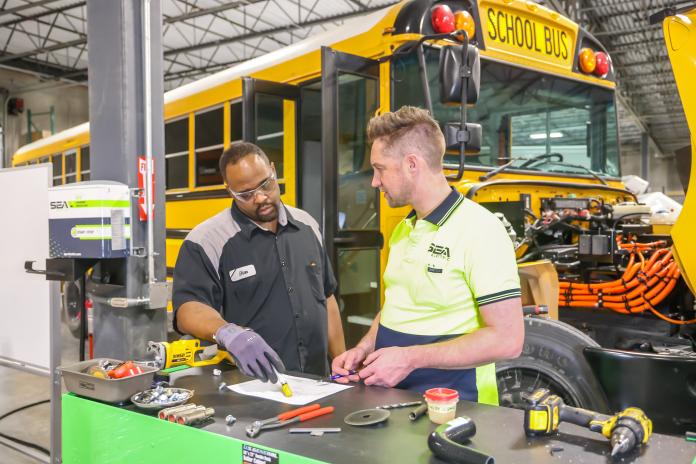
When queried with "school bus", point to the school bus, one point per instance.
{"points": [[548, 117]]}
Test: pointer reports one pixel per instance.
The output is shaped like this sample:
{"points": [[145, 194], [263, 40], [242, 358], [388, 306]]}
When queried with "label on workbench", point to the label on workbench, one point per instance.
{"points": [[251, 455]]}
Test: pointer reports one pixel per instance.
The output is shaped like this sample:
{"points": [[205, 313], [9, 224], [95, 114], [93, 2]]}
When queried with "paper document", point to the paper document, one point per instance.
{"points": [[305, 391]]}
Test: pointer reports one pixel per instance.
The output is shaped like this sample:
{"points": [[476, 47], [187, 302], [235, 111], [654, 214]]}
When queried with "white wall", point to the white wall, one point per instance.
{"points": [[70, 102], [662, 171]]}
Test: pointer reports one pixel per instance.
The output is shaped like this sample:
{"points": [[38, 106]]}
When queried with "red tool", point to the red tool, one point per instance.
{"points": [[126, 369], [286, 418]]}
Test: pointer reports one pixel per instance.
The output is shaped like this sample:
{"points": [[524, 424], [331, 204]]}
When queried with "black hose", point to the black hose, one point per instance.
{"points": [[449, 442], [22, 408], [26, 443], [19, 440]]}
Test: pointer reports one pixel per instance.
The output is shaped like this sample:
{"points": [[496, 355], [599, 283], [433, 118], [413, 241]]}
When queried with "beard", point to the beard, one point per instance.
{"points": [[266, 216]]}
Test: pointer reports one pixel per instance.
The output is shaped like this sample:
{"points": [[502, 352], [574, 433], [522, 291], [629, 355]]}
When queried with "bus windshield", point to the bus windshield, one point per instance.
{"points": [[538, 121]]}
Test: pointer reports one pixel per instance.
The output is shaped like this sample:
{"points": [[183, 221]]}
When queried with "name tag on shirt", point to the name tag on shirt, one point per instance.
{"points": [[242, 272]]}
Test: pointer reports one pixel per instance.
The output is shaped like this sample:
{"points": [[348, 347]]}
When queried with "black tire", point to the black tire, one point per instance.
{"points": [[551, 358], [71, 307]]}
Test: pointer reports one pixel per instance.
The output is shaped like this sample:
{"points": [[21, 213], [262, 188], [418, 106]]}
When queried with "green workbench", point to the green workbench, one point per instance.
{"points": [[94, 433]]}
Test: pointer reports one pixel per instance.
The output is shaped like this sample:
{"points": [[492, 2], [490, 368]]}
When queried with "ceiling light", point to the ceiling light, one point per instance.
{"points": [[542, 135]]}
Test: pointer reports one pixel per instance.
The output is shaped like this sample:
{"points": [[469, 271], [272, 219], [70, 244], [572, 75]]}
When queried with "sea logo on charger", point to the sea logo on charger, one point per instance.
{"points": [[59, 204], [243, 272]]}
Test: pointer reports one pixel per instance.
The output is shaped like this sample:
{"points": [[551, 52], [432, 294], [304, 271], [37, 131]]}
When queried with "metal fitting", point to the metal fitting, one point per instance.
{"points": [[175, 417], [195, 416], [217, 372], [230, 419], [222, 386], [164, 413]]}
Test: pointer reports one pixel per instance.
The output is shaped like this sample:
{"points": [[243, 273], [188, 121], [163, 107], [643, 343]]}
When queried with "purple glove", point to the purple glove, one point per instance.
{"points": [[250, 351]]}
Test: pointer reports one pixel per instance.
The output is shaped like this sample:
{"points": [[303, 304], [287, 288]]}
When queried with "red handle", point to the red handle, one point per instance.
{"points": [[297, 412], [316, 413]]}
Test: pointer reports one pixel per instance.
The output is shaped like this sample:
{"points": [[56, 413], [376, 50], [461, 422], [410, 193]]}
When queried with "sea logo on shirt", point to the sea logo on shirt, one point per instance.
{"points": [[243, 272], [439, 251]]}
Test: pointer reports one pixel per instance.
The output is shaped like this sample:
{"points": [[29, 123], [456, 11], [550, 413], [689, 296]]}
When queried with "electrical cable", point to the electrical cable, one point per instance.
{"points": [[649, 277], [26, 443], [19, 440], [642, 285], [22, 408]]}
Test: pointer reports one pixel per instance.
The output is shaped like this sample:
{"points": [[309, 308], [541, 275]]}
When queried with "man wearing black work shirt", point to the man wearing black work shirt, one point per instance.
{"points": [[255, 278]]}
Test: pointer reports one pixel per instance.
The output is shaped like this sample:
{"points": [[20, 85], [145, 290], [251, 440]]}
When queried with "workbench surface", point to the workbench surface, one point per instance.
{"points": [[499, 431]]}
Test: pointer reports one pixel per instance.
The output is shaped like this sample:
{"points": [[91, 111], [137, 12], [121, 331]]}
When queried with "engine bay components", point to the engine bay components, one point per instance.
{"points": [[607, 255]]}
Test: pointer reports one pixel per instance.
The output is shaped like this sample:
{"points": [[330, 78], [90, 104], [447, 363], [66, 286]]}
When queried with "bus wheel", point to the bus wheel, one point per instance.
{"points": [[71, 307], [551, 358]]}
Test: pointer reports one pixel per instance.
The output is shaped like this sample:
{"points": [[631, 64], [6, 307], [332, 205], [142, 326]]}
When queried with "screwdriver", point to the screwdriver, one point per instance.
{"points": [[284, 385]]}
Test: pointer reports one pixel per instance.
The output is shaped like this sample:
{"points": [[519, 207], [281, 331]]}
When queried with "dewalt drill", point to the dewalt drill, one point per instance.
{"points": [[627, 429], [186, 353]]}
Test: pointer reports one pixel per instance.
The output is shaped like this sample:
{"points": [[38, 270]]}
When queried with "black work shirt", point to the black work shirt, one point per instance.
{"points": [[276, 284]]}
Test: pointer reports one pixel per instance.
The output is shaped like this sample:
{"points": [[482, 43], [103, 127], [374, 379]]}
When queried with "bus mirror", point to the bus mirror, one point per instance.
{"points": [[471, 136], [451, 75]]}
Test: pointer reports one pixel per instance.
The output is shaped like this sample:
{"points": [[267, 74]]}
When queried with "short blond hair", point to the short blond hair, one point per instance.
{"points": [[409, 129]]}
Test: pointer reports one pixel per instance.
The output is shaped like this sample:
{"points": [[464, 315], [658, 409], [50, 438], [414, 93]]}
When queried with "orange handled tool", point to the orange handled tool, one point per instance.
{"points": [[294, 412], [287, 418]]}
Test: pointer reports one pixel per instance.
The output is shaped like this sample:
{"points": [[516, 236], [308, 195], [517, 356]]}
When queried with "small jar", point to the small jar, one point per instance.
{"points": [[442, 404]]}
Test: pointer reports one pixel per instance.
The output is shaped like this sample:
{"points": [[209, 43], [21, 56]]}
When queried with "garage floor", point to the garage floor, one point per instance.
{"points": [[18, 388]]}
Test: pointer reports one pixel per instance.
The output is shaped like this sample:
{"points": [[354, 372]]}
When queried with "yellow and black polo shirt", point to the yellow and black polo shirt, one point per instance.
{"points": [[441, 271]]}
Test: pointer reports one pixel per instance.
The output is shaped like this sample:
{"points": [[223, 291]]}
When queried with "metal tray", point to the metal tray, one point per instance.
{"points": [[108, 390], [188, 394]]}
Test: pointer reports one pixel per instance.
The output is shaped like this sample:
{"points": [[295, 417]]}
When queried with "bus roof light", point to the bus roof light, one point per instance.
{"points": [[602, 64], [442, 19], [463, 21], [587, 60]]}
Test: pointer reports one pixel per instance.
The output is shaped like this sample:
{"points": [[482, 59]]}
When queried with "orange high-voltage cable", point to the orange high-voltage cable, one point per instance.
{"points": [[642, 286]]}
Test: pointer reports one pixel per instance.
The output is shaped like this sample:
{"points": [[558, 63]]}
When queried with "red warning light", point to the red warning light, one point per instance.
{"points": [[601, 64], [442, 19]]}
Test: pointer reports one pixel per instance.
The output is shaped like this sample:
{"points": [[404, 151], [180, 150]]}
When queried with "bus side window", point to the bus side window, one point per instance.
{"points": [[44, 159], [236, 121], [176, 142], [57, 161], [70, 167], [209, 145], [84, 163], [269, 129]]}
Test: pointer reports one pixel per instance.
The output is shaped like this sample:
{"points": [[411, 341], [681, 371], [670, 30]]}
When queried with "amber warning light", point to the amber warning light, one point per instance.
{"points": [[592, 62]]}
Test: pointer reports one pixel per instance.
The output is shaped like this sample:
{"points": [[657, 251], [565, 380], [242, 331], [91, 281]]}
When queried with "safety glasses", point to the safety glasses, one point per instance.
{"points": [[265, 188]]}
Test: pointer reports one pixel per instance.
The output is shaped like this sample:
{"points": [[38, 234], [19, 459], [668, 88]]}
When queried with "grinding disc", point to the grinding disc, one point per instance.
{"points": [[367, 417]]}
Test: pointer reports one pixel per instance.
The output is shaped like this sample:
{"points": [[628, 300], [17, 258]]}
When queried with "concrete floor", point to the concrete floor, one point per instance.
{"points": [[18, 388]]}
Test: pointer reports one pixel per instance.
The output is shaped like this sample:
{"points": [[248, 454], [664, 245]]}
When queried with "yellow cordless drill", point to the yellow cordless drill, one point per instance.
{"points": [[627, 429], [186, 353]]}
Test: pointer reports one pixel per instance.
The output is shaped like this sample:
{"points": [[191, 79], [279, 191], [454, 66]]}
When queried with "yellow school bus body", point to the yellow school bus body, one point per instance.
{"points": [[302, 62]]}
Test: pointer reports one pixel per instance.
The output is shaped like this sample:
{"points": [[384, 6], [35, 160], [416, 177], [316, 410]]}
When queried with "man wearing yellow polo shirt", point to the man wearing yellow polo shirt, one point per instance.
{"points": [[452, 294]]}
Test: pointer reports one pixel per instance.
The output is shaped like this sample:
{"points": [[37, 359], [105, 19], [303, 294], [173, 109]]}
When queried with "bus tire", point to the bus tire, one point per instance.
{"points": [[71, 307], [552, 358]]}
